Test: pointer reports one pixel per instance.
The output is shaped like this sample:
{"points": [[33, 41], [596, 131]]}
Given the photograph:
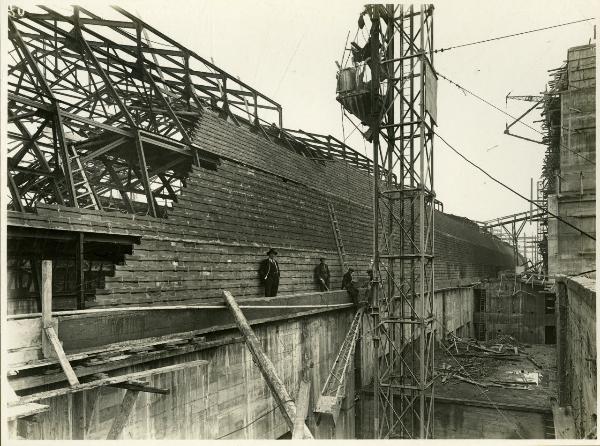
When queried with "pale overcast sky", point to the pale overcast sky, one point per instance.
{"points": [[287, 49]]}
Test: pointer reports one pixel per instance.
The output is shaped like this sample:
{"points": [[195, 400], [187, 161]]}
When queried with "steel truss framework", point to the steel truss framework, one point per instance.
{"points": [[509, 229], [102, 91], [102, 113], [401, 41]]}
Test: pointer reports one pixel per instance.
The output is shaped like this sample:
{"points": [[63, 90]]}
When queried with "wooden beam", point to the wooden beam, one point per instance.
{"points": [[24, 410], [91, 408], [51, 346], [141, 386], [127, 360], [106, 382], [123, 414], [78, 416], [46, 291], [281, 395], [64, 362], [301, 410]]}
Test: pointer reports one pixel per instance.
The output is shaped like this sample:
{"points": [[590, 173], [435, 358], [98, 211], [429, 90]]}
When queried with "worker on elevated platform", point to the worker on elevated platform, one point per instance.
{"points": [[348, 285], [323, 275], [270, 273]]}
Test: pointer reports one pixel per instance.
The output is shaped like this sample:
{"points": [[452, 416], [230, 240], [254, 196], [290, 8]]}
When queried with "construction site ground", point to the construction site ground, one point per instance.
{"points": [[527, 378]]}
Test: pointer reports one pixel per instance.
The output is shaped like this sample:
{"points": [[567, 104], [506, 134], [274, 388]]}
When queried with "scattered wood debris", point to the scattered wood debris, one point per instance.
{"points": [[471, 361]]}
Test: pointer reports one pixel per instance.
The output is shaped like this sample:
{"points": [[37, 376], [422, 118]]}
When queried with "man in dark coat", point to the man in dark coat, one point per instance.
{"points": [[348, 285], [269, 273], [347, 279], [323, 275]]}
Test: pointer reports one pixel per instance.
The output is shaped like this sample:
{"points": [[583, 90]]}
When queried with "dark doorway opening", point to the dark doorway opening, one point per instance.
{"points": [[550, 334], [77, 270]]}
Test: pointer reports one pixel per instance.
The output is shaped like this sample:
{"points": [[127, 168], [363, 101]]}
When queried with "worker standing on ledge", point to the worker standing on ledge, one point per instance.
{"points": [[323, 275], [269, 273], [347, 279], [348, 284]]}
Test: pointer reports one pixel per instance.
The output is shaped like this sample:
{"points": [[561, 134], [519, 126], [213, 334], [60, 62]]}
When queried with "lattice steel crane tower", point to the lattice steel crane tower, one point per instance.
{"points": [[397, 109]]}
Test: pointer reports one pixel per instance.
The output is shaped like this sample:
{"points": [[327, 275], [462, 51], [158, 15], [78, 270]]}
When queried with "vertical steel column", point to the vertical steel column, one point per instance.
{"points": [[402, 208], [375, 285], [403, 237]]}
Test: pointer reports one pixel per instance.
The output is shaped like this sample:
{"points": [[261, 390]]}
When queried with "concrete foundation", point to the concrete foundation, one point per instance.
{"points": [[464, 419]]}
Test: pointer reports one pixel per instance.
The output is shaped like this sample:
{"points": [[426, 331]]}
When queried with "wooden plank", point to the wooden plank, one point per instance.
{"points": [[122, 346], [78, 416], [82, 332], [62, 358], [92, 398], [24, 410], [301, 410], [106, 382], [281, 395], [141, 386], [470, 381], [28, 382], [23, 333], [47, 349], [123, 414]]}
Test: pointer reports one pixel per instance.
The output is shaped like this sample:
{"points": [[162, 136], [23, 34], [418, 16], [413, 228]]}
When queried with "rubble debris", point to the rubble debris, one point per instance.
{"points": [[475, 362]]}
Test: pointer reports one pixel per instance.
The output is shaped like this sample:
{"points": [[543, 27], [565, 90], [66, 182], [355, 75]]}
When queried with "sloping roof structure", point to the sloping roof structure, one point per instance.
{"points": [[102, 112]]}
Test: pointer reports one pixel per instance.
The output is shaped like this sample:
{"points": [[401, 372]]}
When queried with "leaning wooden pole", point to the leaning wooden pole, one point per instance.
{"points": [[282, 397]]}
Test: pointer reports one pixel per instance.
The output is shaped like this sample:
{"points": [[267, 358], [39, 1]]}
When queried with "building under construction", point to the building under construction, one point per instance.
{"points": [[145, 186]]}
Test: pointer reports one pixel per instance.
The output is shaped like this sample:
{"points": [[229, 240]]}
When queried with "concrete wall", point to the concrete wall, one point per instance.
{"points": [[461, 420], [454, 311], [577, 350], [212, 401], [570, 252], [514, 308]]}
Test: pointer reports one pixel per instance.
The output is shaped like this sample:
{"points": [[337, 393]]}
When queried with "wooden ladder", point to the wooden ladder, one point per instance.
{"points": [[81, 183], [338, 237]]}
